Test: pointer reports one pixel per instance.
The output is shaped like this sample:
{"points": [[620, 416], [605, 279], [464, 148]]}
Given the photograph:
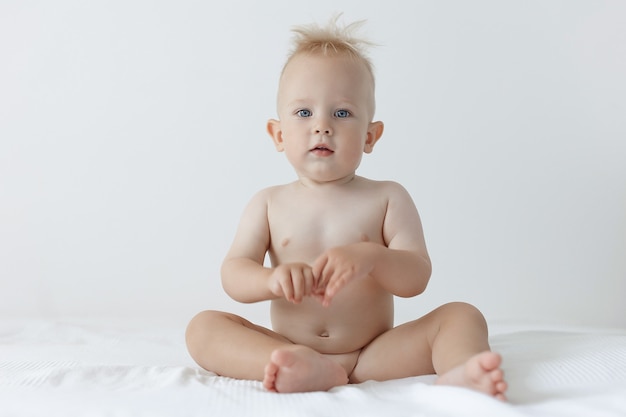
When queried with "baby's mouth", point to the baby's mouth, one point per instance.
{"points": [[322, 148]]}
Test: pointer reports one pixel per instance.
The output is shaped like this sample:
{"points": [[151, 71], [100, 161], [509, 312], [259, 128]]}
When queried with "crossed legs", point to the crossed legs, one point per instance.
{"points": [[450, 341]]}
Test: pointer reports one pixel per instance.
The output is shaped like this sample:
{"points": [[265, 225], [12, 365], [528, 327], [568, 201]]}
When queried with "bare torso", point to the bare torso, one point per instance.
{"points": [[303, 223]]}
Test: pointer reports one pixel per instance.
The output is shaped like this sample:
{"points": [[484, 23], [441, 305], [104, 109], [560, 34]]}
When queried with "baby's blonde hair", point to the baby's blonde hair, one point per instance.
{"points": [[331, 40]]}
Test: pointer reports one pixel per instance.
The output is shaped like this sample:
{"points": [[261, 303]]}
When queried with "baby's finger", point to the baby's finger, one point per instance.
{"points": [[299, 285], [326, 278], [309, 281], [317, 270], [334, 286], [287, 287]]}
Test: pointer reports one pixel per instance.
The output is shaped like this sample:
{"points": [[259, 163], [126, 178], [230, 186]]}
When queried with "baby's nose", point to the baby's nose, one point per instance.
{"points": [[323, 130]]}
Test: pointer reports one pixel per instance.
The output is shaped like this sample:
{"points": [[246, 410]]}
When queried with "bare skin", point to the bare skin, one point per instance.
{"points": [[481, 372], [341, 246], [288, 365]]}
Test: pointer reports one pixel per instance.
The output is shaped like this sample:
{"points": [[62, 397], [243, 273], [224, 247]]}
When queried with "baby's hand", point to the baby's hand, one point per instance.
{"points": [[293, 281], [336, 267]]}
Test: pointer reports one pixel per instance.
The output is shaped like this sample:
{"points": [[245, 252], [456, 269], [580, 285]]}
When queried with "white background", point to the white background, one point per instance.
{"points": [[132, 134]]}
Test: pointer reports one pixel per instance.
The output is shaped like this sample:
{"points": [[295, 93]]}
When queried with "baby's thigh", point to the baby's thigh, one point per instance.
{"points": [[401, 352], [205, 325]]}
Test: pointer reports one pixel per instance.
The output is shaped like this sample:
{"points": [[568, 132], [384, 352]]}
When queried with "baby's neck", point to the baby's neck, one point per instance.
{"points": [[312, 183]]}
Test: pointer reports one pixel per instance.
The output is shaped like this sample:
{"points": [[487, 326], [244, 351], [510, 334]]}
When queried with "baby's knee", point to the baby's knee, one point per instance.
{"points": [[208, 318], [202, 323], [463, 311]]}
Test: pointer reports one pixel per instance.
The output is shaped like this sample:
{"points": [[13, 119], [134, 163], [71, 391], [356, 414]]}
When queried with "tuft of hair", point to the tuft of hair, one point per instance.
{"points": [[332, 39]]}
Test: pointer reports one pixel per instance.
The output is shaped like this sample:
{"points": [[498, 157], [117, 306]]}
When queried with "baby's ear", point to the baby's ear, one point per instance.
{"points": [[374, 132], [273, 128]]}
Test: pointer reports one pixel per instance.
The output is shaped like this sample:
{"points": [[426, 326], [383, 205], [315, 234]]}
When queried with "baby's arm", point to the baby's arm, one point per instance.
{"points": [[402, 267], [245, 278]]}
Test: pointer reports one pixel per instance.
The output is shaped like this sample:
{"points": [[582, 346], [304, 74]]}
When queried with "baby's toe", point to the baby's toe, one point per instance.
{"points": [[496, 375]]}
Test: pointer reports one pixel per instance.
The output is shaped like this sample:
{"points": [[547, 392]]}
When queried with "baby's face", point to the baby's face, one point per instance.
{"points": [[325, 105]]}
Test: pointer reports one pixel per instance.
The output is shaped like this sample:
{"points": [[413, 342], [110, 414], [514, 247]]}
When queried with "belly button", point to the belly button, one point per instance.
{"points": [[324, 334]]}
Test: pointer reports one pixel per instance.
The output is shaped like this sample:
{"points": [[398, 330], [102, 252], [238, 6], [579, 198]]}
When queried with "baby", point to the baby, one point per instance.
{"points": [[341, 247]]}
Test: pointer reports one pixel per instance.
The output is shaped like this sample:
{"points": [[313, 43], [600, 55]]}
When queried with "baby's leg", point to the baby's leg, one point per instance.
{"points": [[450, 341], [232, 346]]}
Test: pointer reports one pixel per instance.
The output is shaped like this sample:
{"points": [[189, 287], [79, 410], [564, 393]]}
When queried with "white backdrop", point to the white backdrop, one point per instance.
{"points": [[132, 135]]}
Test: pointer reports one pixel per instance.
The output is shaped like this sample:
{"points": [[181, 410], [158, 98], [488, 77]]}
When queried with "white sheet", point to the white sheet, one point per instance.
{"points": [[104, 368]]}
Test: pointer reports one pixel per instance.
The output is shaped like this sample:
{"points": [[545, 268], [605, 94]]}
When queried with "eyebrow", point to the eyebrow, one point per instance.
{"points": [[297, 103]]}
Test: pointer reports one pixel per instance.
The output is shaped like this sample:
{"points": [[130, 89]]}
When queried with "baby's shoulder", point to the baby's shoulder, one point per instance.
{"points": [[386, 187], [272, 191], [265, 195]]}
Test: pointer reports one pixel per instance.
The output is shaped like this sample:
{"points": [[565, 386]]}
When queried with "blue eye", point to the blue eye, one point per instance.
{"points": [[304, 113], [342, 113]]}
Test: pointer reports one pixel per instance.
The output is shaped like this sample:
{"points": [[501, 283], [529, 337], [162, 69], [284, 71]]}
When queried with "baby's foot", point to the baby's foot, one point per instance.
{"points": [[481, 373], [301, 369]]}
